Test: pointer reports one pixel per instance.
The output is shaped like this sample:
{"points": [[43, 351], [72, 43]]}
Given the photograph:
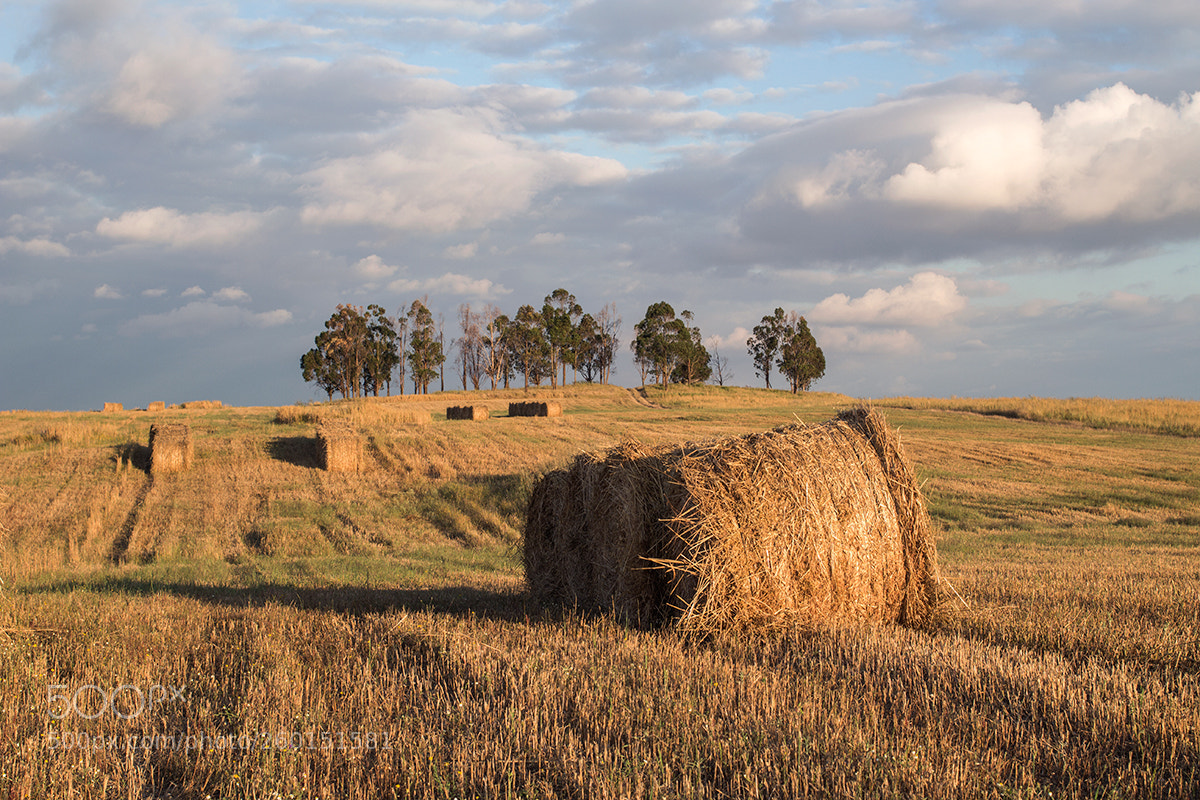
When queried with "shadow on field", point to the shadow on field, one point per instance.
{"points": [[455, 600], [134, 454], [301, 451]]}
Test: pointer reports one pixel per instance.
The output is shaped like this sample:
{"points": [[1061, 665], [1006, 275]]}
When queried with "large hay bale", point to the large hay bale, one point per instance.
{"points": [[807, 525], [171, 448], [202, 404], [111, 407], [535, 409], [340, 447], [157, 405], [467, 412]]}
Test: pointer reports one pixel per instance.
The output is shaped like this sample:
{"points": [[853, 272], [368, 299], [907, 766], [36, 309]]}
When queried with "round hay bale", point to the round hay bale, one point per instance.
{"points": [[171, 448], [808, 525]]}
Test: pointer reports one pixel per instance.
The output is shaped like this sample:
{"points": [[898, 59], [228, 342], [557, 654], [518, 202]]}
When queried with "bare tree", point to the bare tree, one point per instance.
{"points": [[718, 362], [471, 355], [609, 323]]}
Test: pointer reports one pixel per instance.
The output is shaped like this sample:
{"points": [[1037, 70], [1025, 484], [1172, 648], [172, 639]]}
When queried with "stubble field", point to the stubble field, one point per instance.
{"points": [[257, 627]]}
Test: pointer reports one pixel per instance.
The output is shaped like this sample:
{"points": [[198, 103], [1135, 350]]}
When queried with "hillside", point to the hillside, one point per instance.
{"points": [[293, 602]]}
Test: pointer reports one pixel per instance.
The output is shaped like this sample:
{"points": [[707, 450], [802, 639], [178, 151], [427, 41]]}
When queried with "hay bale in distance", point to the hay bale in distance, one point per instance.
{"points": [[157, 405], [171, 448], [111, 407], [476, 413], [806, 525], [340, 447], [202, 404], [535, 409]]}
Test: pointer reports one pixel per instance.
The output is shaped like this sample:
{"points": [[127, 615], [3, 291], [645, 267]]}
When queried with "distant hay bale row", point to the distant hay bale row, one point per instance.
{"points": [[202, 404], [535, 409], [111, 407], [467, 412], [157, 405], [341, 448], [806, 525], [170, 448]]}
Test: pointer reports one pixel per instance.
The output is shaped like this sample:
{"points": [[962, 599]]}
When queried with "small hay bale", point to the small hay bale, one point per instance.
{"points": [[157, 405], [202, 404], [111, 407], [806, 525], [535, 409], [475, 413], [171, 448], [340, 447]]}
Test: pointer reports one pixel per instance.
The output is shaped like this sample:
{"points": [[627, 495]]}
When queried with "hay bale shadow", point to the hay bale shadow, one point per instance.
{"points": [[132, 453], [300, 451]]}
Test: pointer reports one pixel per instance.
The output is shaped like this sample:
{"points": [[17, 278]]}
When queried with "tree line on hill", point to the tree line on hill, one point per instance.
{"points": [[362, 351]]}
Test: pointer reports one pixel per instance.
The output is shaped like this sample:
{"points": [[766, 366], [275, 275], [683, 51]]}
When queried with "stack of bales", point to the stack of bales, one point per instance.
{"points": [[170, 448], [340, 446], [157, 405], [535, 409], [467, 412], [202, 404], [806, 525], [111, 407]]}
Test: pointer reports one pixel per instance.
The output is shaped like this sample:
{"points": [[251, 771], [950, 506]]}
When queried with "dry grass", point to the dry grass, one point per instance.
{"points": [[292, 603], [171, 448], [473, 413], [1174, 417], [297, 415]]}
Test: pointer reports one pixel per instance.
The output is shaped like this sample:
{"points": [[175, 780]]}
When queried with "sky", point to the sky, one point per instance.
{"points": [[963, 197]]}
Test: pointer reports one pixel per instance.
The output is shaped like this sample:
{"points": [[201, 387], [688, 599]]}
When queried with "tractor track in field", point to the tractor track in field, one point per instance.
{"points": [[120, 547]]}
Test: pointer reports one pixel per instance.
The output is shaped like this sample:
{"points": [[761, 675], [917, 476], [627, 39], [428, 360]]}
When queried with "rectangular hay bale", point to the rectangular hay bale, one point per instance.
{"points": [[157, 405], [111, 407], [171, 448], [535, 409], [340, 447], [475, 413]]}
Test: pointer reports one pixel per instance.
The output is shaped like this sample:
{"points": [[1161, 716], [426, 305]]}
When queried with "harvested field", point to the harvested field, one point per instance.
{"points": [[535, 409], [171, 448], [341, 447], [808, 525], [475, 413]]}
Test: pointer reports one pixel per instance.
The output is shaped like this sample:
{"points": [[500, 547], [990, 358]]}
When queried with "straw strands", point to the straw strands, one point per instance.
{"points": [[340, 447], [476, 413], [806, 525], [535, 409], [171, 448]]}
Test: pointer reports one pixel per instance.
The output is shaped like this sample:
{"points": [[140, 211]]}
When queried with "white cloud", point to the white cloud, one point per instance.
{"points": [[1115, 153], [852, 339], [927, 299], [153, 292], [168, 226], [106, 292], [373, 268], [174, 74], [450, 283], [233, 294], [193, 291], [446, 170], [202, 317], [34, 247], [461, 251]]}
